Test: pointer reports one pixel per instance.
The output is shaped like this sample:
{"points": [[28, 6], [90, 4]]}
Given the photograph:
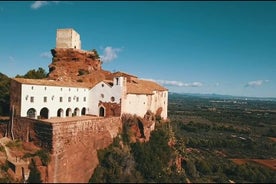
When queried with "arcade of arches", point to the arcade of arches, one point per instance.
{"points": [[44, 113]]}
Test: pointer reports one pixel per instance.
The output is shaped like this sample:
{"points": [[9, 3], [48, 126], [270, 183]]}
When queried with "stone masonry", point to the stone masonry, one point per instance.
{"points": [[73, 143]]}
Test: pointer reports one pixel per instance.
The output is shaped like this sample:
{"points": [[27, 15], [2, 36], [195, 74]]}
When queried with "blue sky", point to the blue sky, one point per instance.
{"points": [[192, 47]]}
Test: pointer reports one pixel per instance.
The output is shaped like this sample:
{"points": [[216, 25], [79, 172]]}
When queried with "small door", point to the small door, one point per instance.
{"points": [[101, 112]]}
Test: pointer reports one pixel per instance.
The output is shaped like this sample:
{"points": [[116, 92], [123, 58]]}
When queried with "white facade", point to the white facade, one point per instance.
{"points": [[67, 100], [139, 104], [106, 93], [68, 38], [48, 101]]}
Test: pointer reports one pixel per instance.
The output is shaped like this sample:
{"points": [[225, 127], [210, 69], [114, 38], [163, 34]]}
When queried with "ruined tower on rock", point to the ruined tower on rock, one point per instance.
{"points": [[78, 108], [70, 63], [68, 38]]}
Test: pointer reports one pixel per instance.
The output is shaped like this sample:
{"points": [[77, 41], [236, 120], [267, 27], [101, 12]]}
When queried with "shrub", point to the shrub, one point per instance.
{"points": [[15, 144], [2, 149], [44, 156], [83, 72], [35, 176]]}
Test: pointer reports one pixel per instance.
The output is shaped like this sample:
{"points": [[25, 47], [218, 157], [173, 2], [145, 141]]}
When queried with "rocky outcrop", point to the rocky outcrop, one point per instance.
{"points": [[76, 66], [137, 128]]}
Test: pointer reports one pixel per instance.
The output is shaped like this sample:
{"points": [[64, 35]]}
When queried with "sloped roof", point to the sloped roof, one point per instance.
{"points": [[135, 86], [143, 87], [122, 74], [108, 82], [48, 82]]}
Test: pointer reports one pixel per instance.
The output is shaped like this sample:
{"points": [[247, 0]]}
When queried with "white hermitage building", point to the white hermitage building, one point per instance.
{"points": [[45, 99], [40, 98]]}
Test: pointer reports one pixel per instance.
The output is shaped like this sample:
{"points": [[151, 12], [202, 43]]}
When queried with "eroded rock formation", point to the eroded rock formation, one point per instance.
{"points": [[76, 66]]}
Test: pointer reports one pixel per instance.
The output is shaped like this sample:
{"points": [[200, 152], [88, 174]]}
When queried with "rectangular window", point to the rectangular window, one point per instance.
{"points": [[69, 99], [60, 99], [77, 99], [84, 99], [45, 99], [32, 99]]}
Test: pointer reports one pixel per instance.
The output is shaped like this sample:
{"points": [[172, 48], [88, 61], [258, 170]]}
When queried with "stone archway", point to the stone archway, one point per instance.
{"points": [[102, 112], [31, 113], [44, 113], [60, 113], [77, 112], [83, 111], [68, 112]]}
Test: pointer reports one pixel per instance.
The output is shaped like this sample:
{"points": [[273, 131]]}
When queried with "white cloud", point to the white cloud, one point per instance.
{"points": [[110, 54], [46, 55], [256, 83], [39, 4], [177, 83]]}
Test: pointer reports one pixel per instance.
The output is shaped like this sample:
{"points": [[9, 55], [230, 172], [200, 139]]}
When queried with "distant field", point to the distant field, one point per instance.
{"points": [[270, 163], [214, 132]]}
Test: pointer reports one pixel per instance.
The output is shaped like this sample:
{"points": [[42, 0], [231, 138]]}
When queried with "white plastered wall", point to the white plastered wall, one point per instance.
{"points": [[53, 94], [139, 104], [136, 104], [103, 92]]}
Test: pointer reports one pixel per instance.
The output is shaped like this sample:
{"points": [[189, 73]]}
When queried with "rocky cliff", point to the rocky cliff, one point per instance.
{"points": [[76, 66], [73, 142]]}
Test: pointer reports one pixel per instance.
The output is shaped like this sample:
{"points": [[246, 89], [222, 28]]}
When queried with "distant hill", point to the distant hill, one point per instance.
{"points": [[225, 97]]}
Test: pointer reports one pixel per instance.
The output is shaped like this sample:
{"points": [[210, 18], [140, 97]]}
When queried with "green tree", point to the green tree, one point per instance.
{"points": [[44, 156], [190, 168], [40, 73], [4, 95], [96, 53], [203, 167], [35, 176], [116, 165]]}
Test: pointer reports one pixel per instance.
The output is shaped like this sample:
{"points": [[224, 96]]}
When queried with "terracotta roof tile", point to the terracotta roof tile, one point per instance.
{"points": [[119, 74], [143, 87], [55, 83], [135, 86]]}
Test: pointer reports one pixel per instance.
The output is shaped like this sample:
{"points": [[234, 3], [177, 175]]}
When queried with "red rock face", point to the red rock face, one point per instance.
{"points": [[76, 65]]}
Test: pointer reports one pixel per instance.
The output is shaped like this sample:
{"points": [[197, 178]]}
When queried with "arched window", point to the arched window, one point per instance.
{"points": [[44, 113], [77, 112], [60, 113], [68, 112], [31, 113], [83, 111]]}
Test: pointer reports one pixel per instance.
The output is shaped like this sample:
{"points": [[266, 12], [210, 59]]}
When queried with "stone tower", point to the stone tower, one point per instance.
{"points": [[68, 38]]}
